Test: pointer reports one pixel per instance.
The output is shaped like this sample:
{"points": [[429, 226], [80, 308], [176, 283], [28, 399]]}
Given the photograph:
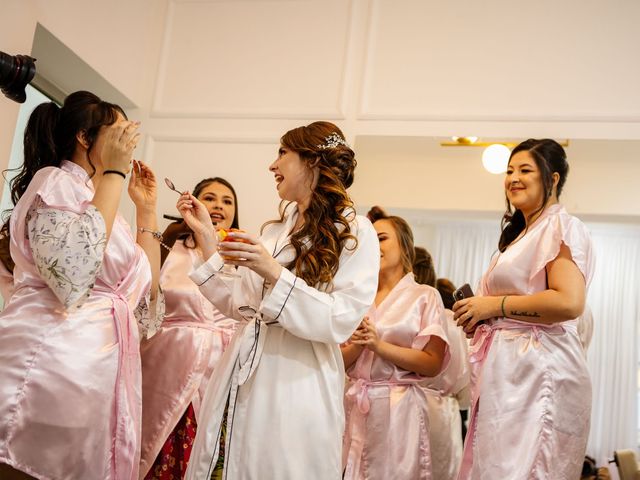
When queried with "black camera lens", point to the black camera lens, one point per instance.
{"points": [[16, 71]]}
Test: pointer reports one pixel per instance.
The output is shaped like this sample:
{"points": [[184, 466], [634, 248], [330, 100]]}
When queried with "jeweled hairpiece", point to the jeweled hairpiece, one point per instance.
{"points": [[332, 141]]}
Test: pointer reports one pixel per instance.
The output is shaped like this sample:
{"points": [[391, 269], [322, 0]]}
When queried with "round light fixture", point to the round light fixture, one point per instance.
{"points": [[495, 158]]}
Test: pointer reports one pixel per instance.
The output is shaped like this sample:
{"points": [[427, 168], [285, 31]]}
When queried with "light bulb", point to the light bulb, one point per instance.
{"points": [[495, 158]]}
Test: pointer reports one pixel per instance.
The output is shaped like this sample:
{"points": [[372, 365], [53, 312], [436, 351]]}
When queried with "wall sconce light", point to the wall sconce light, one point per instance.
{"points": [[495, 156]]}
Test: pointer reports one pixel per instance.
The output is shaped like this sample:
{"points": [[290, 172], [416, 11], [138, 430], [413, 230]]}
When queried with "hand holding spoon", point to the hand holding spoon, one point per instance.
{"points": [[172, 186]]}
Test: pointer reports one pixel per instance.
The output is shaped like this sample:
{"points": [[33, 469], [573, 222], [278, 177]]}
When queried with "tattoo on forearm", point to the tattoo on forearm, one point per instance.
{"points": [[525, 314]]}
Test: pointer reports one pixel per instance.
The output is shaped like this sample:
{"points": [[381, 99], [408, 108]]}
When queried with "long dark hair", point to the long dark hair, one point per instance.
{"points": [[319, 243], [550, 158], [50, 138], [403, 232], [174, 232]]}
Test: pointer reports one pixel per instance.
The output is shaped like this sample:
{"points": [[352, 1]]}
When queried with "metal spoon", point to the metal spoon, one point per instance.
{"points": [[172, 186]]}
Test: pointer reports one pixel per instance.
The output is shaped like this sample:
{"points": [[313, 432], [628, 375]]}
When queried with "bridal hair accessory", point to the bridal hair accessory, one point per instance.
{"points": [[332, 141]]}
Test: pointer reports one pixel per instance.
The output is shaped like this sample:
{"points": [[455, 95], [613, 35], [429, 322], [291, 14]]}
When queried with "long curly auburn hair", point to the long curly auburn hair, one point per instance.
{"points": [[326, 230]]}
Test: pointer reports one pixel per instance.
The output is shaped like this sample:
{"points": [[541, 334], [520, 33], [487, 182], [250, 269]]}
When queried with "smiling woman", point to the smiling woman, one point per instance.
{"points": [[532, 183], [301, 289], [220, 199], [178, 361], [529, 362]]}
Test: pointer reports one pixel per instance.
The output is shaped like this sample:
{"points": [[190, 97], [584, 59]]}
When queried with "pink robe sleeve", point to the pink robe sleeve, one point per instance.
{"points": [[433, 323], [564, 229]]}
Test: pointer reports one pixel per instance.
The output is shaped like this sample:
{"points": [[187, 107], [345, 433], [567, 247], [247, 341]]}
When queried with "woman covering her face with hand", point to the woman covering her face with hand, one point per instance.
{"points": [[531, 394], [69, 341], [400, 342], [303, 287]]}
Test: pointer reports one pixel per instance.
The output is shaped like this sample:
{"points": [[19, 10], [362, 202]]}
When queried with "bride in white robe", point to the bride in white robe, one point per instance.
{"points": [[282, 376]]}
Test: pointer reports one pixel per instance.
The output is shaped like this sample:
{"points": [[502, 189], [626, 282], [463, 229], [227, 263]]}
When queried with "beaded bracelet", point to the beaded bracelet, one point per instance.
{"points": [[157, 235]]}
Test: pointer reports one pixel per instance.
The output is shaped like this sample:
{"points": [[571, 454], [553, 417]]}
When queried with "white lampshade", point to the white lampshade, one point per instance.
{"points": [[495, 158]]}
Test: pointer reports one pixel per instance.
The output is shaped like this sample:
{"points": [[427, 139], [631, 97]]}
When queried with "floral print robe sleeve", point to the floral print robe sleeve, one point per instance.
{"points": [[68, 249]]}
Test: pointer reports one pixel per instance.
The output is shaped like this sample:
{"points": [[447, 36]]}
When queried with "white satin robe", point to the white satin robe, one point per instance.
{"points": [[283, 371], [531, 388], [387, 428], [70, 400], [447, 394], [177, 362]]}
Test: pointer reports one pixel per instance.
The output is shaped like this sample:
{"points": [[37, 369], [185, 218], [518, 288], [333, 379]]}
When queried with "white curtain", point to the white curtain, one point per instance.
{"points": [[462, 251], [614, 298]]}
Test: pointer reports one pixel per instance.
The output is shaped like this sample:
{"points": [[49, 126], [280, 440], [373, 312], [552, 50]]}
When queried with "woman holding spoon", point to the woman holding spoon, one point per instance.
{"points": [[303, 287], [179, 359]]}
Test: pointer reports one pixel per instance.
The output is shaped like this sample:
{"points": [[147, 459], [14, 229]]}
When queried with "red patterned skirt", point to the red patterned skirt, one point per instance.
{"points": [[171, 463]]}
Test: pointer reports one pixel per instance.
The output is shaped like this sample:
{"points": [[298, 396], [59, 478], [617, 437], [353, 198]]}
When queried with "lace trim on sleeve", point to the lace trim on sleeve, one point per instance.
{"points": [[150, 314]]}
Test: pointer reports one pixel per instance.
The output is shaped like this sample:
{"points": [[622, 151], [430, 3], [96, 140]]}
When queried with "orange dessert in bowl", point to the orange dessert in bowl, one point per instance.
{"points": [[223, 236]]}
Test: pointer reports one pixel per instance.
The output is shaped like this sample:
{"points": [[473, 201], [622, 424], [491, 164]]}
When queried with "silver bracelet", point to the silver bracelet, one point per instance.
{"points": [[156, 234]]}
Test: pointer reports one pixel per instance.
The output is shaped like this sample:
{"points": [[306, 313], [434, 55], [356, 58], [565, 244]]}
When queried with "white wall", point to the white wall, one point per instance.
{"points": [[217, 82], [119, 38], [418, 173], [235, 75]]}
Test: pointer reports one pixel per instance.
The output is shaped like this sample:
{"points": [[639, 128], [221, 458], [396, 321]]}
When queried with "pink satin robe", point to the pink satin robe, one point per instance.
{"points": [[6, 283], [179, 359], [531, 388], [447, 394], [387, 422], [70, 401]]}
